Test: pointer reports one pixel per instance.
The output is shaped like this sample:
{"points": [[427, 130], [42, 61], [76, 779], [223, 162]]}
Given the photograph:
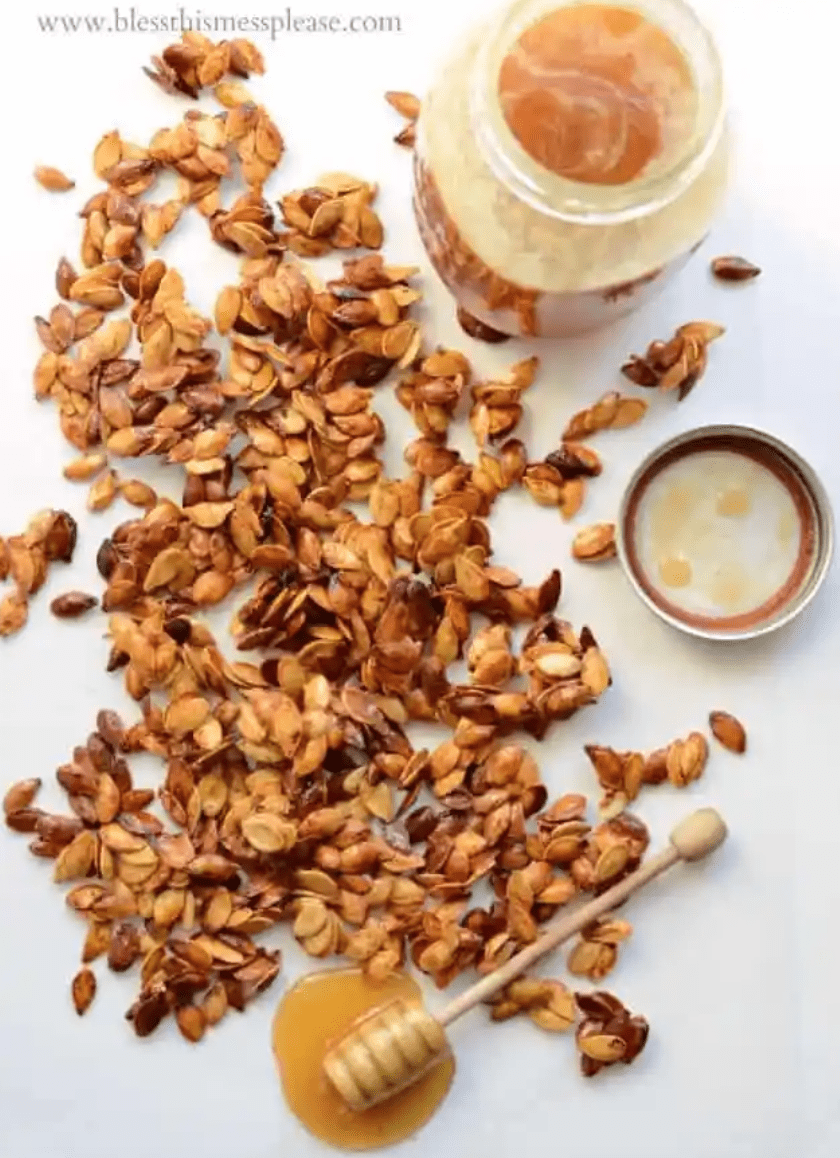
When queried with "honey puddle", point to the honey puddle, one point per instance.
{"points": [[675, 572], [593, 91], [720, 532], [312, 1016], [734, 503]]}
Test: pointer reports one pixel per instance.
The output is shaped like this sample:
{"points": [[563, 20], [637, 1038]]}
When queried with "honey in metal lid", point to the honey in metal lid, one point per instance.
{"points": [[726, 532]]}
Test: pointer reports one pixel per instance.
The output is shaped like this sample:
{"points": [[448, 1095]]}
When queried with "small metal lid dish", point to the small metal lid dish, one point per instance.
{"points": [[725, 532]]}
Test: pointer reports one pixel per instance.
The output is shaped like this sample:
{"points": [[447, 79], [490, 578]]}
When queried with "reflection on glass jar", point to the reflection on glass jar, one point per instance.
{"points": [[570, 158]]}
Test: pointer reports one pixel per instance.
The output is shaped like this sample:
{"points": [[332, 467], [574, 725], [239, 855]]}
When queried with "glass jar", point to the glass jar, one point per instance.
{"points": [[539, 224]]}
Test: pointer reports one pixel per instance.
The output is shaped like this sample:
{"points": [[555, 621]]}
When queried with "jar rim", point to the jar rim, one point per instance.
{"points": [[573, 201]]}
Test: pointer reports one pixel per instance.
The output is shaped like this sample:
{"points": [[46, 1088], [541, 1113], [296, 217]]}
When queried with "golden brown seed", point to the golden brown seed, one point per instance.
{"points": [[405, 103], [584, 958], [107, 153], [596, 543], [215, 1004], [20, 795], [228, 307], [729, 731], [602, 1047], [219, 911], [611, 863], [312, 918], [168, 907], [103, 492], [73, 605], [85, 468], [53, 179], [628, 412], [83, 990], [732, 268], [76, 860], [124, 948], [192, 1022], [571, 497], [269, 833], [407, 137], [559, 1015], [139, 494], [96, 942]]}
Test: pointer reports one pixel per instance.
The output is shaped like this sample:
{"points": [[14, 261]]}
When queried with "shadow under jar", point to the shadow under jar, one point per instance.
{"points": [[570, 158]]}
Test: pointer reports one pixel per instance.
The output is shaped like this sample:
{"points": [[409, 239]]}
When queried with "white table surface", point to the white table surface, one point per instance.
{"points": [[735, 964]]}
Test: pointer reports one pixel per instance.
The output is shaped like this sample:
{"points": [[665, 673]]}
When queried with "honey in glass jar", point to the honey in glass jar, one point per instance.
{"points": [[570, 158]]}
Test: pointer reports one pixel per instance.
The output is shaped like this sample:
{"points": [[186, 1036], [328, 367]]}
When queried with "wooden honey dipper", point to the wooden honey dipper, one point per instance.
{"points": [[394, 1046]]}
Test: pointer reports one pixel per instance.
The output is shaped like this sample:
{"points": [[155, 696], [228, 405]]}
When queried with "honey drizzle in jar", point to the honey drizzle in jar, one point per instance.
{"points": [[312, 1016], [531, 253], [592, 93]]}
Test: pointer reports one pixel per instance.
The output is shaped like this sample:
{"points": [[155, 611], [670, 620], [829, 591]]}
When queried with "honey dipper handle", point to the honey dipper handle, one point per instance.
{"points": [[693, 839]]}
